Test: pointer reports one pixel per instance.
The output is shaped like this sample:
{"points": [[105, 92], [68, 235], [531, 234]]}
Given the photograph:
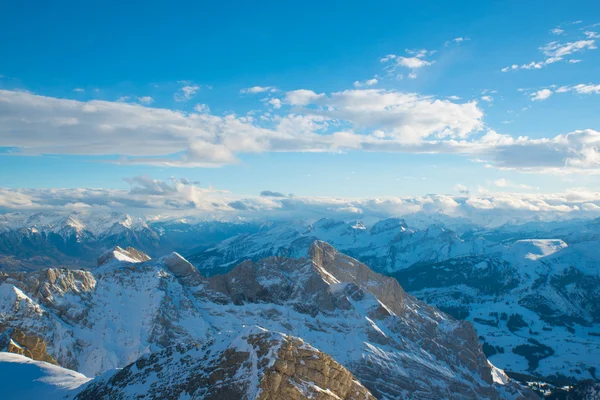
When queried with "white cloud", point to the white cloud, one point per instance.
{"points": [[542, 94], [258, 89], [201, 108], [415, 62], [581, 88], [368, 82], [150, 197], [556, 51], [457, 40], [79, 90], [186, 93], [374, 120], [557, 31], [302, 97], [145, 100], [276, 103], [586, 89], [487, 99], [412, 62]]}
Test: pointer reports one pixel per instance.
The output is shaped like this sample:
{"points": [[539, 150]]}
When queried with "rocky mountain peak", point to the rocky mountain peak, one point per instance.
{"points": [[336, 267], [129, 255], [388, 225], [257, 364], [182, 269]]}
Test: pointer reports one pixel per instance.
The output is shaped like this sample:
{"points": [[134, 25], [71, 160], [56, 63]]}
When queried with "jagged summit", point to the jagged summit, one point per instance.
{"points": [[255, 364], [129, 255]]}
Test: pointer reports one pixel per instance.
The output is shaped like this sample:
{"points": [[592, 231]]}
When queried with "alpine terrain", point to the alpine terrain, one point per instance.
{"points": [[321, 326]]}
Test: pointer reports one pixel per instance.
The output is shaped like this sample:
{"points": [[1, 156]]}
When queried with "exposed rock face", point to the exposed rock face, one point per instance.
{"points": [[18, 342], [257, 365], [393, 344]]}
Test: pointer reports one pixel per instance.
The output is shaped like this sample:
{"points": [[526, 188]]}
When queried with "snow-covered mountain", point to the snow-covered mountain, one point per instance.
{"points": [[387, 246], [75, 240], [255, 364], [532, 291], [130, 307]]}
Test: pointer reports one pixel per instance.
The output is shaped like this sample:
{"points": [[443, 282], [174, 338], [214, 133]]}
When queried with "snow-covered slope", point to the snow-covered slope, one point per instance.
{"points": [[387, 246], [23, 378], [550, 282], [109, 318], [535, 304]]}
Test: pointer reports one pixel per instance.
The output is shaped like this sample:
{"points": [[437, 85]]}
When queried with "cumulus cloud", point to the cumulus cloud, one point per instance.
{"points": [[275, 102], [542, 94], [302, 97], [368, 82]]}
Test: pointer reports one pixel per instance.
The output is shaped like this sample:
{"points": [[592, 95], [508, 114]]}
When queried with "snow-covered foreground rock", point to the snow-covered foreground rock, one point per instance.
{"points": [[24, 378], [395, 345], [257, 364]]}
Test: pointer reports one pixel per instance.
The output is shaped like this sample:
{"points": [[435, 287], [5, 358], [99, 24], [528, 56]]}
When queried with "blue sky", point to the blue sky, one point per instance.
{"points": [[146, 54]]}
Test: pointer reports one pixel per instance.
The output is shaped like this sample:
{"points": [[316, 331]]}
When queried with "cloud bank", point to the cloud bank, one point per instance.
{"points": [[148, 197], [372, 120]]}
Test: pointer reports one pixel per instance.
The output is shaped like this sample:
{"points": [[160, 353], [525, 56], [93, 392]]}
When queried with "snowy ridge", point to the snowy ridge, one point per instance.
{"points": [[24, 378]]}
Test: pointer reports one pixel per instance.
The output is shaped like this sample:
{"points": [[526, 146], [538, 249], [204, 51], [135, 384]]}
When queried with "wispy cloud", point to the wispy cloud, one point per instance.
{"points": [[556, 51], [186, 92], [415, 61], [457, 40], [258, 89]]}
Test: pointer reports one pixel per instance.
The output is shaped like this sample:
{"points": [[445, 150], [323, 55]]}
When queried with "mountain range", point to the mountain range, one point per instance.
{"points": [[530, 290], [323, 325]]}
